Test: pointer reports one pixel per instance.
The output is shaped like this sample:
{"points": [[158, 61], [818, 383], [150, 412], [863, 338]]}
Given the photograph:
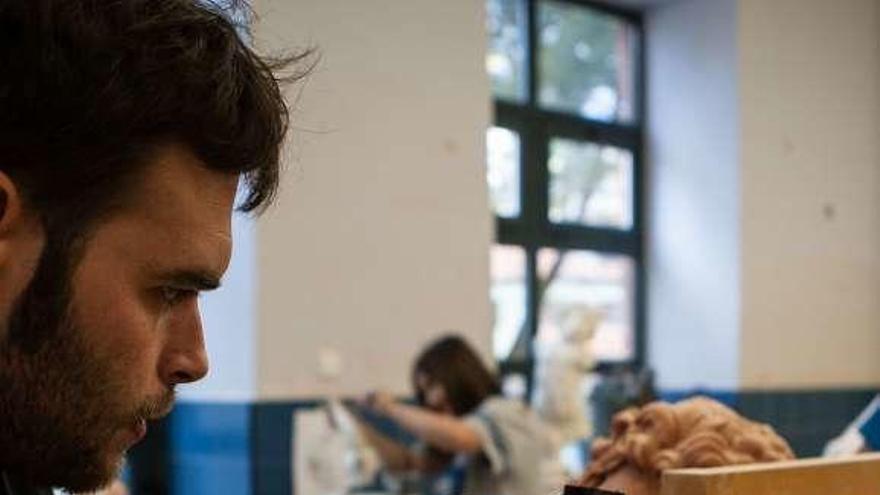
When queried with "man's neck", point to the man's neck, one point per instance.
{"points": [[10, 486]]}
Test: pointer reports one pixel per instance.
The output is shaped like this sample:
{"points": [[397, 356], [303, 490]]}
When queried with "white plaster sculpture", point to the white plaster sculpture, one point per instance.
{"points": [[334, 457], [852, 441], [561, 369]]}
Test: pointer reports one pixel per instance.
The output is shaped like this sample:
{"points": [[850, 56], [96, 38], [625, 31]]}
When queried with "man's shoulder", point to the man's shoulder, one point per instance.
{"points": [[10, 486], [500, 405]]}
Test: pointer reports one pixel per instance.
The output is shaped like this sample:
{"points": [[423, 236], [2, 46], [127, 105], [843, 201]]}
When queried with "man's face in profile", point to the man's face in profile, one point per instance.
{"points": [[124, 323]]}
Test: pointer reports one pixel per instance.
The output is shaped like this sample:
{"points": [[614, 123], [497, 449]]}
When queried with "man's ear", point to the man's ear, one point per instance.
{"points": [[11, 213]]}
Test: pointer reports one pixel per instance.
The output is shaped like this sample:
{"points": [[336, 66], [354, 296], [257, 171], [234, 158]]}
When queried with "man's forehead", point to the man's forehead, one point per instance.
{"points": [[173, 173], [186, 206]]}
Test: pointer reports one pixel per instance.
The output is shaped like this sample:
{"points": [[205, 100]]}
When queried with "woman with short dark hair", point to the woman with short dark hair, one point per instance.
{"points": [[472, 440]]}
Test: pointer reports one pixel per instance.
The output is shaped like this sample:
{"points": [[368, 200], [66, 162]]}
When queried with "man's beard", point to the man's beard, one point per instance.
{"points": [[62, 406]]}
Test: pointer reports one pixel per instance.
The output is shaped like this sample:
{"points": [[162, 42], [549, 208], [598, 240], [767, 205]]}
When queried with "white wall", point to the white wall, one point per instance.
{"points": [[693, 205], [764, 236], [810, 120], [380, 237], [764, 250]]}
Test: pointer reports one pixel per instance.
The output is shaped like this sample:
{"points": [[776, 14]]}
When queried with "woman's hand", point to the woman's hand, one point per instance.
{"points": [[381, 402], [443, 431]]}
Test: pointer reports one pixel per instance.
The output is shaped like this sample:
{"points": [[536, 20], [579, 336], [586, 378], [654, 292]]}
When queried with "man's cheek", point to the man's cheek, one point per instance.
{"points": [[123, 330]]}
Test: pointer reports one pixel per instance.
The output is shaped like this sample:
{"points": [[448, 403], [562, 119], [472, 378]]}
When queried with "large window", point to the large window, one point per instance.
{"points": [[564, 172]]}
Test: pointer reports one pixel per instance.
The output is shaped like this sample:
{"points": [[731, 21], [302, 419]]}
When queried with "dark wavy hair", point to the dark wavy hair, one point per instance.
{"points": [[454, 364], [697, 432], [90, 88]]}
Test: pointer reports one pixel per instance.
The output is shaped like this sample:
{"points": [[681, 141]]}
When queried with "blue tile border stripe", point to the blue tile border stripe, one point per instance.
{"points": [[245, 448], [210, 449], [806, 418], [272, 433], [726, 397]]}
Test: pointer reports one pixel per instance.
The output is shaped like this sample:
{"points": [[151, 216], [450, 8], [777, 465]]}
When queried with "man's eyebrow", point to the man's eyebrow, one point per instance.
{"points": [[192, 279]]}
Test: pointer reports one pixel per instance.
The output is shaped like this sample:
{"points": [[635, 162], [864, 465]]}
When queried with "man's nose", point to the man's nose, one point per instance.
{"points": [[185, 359]]}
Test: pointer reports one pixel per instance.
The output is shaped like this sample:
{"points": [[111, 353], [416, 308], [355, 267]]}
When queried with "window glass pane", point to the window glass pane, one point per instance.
{"points": [[590, 184], [584, 286], [506, 58], [508, 292], [502, 174], [586, 62]]}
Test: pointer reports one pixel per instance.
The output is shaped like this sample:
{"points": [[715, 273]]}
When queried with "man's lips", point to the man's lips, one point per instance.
{"points": [[136, 432], [152, 410], [139, 428], [160, 412]]}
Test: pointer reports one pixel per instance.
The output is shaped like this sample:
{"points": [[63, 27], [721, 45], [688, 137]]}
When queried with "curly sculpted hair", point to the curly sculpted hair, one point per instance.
{"points": [[697, 432]]}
